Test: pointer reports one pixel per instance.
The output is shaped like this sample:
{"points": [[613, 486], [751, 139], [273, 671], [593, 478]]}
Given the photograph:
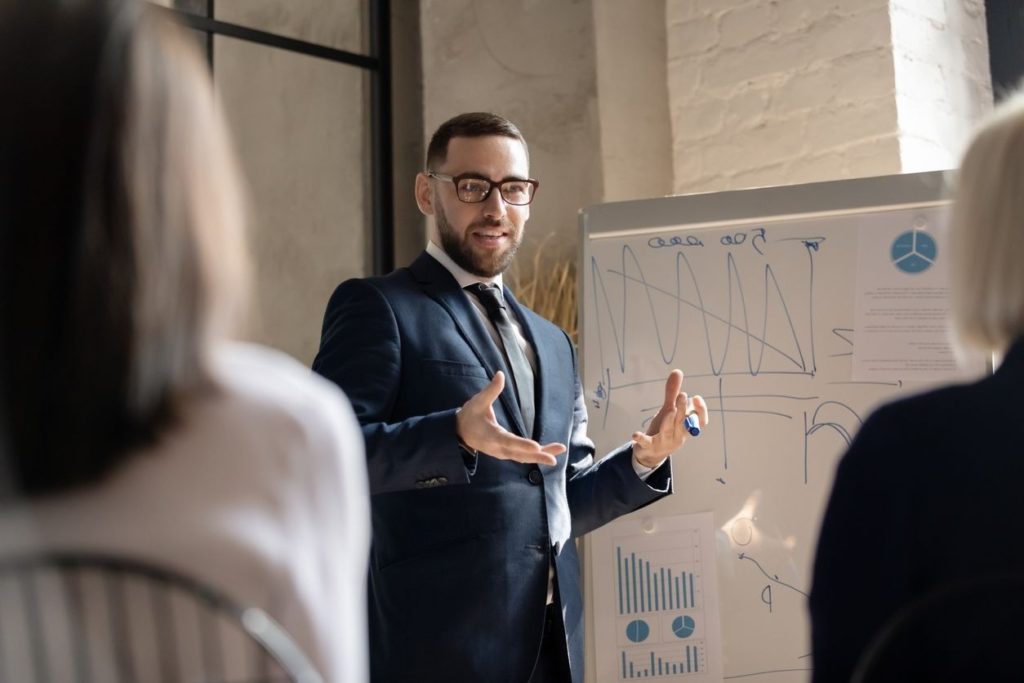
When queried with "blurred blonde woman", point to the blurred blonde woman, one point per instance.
{"points": [[129, 425], [926, 502]]}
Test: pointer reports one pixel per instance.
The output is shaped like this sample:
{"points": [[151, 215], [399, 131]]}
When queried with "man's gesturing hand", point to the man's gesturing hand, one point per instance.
{"points": [[477, 427], [666, 432]]}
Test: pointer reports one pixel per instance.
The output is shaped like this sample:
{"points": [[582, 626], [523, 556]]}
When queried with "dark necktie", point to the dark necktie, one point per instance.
{"points": [[522, 372]]}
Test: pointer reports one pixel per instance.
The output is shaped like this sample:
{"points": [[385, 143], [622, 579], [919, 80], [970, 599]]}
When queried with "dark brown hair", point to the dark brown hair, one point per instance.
{"points": [[116, 191], [470, 125]]}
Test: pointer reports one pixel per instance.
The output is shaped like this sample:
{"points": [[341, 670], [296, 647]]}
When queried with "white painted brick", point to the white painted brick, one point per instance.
{"points": [[806, 90], [836, 36], [708, 184], [864, 75], [794, 16], [692, 37], [834, 127], [699, 120], [677, 11], [764, 176], [801, 15], [976, 59], [746, 109], [684, 78], [921, 81], [802, 90], [932, 11], [827, 166], [736, 66], [743, 25], [920, 154], [689, 163], [756, 147], [880, 156]]}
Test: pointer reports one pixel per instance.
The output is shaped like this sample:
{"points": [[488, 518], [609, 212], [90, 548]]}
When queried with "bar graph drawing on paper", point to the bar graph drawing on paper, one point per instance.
{"points": [[643, 587], [662, 662], [659, 601], [659, 606]]}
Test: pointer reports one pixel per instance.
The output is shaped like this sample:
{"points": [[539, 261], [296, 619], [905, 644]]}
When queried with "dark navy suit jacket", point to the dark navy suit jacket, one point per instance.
{"points": [[927, 497], [462, 545]]}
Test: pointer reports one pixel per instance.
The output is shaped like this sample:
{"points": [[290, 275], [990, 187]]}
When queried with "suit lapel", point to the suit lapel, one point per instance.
{"points": [[439, 285]]}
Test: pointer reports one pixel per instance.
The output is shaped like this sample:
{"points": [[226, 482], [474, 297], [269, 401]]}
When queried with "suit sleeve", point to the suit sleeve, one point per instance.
{"points": [[604, 490], [861, 575], [360, 351]]}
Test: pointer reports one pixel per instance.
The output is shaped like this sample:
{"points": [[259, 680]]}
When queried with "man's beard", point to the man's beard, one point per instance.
{"points": [[460, 250]]}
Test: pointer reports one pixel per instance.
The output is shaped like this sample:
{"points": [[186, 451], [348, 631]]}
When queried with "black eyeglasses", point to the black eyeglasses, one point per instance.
{"points": [[472, 189]]}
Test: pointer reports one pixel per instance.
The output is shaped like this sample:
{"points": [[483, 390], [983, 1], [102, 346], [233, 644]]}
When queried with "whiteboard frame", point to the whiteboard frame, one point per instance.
{"points": [[718, 209]]}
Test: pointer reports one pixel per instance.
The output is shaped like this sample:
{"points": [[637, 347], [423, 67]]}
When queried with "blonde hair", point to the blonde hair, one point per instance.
{"points": [[987, 233], [186, 196]]}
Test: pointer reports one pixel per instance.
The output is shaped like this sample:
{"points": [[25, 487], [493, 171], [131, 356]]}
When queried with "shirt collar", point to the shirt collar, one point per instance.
{"points": [[461, 275]]}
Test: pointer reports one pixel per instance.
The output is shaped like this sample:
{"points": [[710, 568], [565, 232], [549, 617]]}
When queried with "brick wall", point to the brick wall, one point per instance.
{"points": [[770, 92]]}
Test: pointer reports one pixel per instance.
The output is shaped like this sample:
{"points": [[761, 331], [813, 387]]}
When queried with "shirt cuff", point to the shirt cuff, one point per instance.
{"points": [[643, 471]]}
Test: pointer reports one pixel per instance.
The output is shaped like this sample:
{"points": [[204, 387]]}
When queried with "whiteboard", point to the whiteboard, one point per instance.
{"points": [[751, 294]]}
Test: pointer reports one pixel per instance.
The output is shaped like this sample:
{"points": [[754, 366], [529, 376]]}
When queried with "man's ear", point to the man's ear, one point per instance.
{"points": [[424, 194]]}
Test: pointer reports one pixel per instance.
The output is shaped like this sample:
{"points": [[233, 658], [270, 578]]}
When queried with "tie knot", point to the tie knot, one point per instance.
{"points": [[489, 296]]}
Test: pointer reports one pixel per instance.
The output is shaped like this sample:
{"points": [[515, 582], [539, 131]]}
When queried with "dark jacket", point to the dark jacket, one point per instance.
{"points": [[462, 544], [928, 497]]}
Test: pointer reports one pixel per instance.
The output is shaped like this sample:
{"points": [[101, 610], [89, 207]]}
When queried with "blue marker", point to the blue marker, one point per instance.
{"points": [[692, 424]]}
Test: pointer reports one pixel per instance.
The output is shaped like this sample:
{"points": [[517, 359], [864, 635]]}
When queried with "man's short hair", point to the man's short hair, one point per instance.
{"points": [[470, 125]]}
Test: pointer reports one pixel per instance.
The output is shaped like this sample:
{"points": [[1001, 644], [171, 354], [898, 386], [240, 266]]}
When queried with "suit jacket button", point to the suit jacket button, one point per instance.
{"points": [[535, 477]]}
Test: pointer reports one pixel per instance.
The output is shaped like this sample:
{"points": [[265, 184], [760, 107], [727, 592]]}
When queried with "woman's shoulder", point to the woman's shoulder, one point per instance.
{"points": [[272, 385]]}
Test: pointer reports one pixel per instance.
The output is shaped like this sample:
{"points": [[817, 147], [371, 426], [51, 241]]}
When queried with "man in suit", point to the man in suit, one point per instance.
{"points": [[481, 472]]}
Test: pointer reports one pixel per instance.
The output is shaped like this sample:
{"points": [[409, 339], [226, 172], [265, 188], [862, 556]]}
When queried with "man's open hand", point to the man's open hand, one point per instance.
{"points": [[666, 432], [477, 427]]}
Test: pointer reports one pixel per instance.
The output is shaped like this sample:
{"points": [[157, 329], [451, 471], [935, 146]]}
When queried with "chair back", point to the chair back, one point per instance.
{"points": [[93, 618]]}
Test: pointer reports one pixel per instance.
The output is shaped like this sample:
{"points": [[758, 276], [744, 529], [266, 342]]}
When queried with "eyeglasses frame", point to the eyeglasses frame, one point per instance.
{"points": [[490, 186]]}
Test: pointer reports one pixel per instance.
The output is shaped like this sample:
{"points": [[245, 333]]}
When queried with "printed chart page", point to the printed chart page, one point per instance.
{"points": [[656, 606]]}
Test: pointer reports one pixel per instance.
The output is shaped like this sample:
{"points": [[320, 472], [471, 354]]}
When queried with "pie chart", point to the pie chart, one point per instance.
{"points": [[913, 252], [683, 626], [638, 630]]}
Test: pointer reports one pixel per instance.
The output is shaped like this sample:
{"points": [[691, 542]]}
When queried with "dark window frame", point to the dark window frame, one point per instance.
{"points": [[1005, 24], [378, 65]]}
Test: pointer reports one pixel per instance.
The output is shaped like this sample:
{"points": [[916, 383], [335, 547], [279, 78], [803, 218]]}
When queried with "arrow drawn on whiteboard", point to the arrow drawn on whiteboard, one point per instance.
{"points": [[771, 577]]}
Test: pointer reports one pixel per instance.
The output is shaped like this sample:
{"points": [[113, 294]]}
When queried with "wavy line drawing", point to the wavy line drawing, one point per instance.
{"points": [[689, 293]]}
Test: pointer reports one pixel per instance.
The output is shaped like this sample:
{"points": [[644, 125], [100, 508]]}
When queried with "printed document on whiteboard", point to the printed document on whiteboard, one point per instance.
{"points": [[901, 323], [656, 600]]}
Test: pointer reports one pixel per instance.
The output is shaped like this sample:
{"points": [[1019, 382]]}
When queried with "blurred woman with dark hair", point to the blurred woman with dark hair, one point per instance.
{"points": [[131, 426]]}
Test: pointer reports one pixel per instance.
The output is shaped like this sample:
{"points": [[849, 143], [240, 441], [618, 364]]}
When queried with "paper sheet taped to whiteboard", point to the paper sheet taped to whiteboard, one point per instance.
{"points": [[656, 612]]}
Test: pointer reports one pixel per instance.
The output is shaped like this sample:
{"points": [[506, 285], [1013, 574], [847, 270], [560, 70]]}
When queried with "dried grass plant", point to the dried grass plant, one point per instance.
{"points": [[547, 285]]}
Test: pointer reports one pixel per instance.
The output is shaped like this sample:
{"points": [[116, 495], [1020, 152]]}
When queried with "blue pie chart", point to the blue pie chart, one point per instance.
{"points": [[683, 626], [638, 630], [913, 252]]}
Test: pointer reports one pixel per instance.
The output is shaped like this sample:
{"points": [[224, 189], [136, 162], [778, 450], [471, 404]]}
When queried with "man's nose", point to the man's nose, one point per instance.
{"points": [[495, 204]]}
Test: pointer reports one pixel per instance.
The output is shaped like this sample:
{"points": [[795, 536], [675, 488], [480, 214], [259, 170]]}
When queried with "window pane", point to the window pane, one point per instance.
{"points": [[335, 23], [299, 125]]}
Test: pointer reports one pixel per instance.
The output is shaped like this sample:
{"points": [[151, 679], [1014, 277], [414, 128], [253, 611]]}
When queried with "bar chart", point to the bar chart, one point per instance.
{"points": [[646, 588], [662, 662], [657, 615]]}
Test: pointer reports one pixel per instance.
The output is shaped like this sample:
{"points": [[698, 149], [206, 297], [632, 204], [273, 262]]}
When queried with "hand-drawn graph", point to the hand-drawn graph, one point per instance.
{"points": [[759, 316]]}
